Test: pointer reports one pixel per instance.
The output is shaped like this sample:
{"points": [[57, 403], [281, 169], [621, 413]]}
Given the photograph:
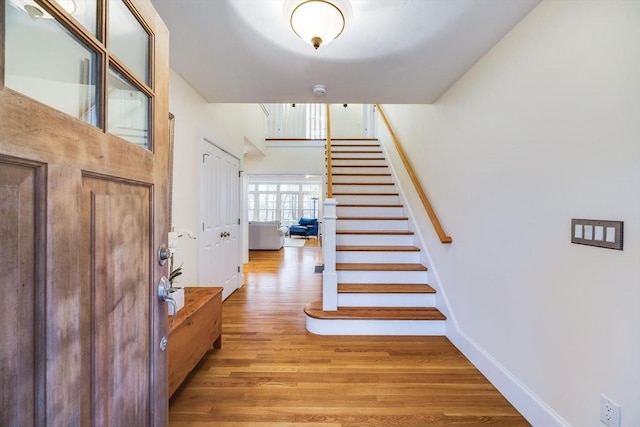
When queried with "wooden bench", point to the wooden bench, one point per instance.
{"points": [[197, 329]]}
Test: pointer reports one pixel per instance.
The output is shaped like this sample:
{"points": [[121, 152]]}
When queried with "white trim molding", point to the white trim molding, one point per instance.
{"points": [[534, 409]]}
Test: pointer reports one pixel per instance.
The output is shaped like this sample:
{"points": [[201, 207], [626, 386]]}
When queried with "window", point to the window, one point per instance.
{"points": [[266, 206], [284, 202], [288, 207]]}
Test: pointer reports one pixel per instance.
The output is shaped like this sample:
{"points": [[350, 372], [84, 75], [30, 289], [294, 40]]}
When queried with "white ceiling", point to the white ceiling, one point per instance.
{"points": [[393, 51]]}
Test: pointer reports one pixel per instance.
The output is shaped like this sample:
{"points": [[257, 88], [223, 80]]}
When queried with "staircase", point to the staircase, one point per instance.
{"points": [[382, 287]]}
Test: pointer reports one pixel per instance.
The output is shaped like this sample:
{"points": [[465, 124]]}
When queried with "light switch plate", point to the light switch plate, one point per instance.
{"points": [[599, 233]]}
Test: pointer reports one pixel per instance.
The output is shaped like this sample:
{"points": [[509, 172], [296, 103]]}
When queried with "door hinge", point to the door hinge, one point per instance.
{"points": [[238, 269], [239, 174], [204, 157], [203, 226], [238, 221]]}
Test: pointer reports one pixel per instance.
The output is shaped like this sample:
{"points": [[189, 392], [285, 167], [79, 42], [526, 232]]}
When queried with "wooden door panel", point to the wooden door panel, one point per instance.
{"points": [[91, 244], [20, 203], [116, 226]]}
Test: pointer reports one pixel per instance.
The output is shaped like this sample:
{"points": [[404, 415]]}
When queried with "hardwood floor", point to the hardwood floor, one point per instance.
{"points": [[272, 372]]}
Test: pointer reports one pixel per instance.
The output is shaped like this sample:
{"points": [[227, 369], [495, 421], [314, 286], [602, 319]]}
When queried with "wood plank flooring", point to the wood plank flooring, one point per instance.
{"points": [[271, 372]]}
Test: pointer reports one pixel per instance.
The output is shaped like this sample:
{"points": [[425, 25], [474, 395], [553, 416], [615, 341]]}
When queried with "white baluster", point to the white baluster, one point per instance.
{"points": [[329, 275]]}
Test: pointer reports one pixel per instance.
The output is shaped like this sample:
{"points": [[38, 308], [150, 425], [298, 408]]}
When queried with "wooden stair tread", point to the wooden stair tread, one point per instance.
{"points": [[356, 151], [353, 139], [359, 166], [364, 194], [357, 158], [375, 218], [314, 310], [361, 174], [351, 146], [362, 266], [376, 232], [363, 183], [352, 205], [349, 248], [385, 288]]}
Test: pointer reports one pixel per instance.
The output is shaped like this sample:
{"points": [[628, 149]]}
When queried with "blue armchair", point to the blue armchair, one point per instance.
{"points": [[306, 227]]}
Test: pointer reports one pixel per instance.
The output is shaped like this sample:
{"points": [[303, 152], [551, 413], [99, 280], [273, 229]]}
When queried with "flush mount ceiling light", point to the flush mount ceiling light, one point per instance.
{"points": [[318, 22]]}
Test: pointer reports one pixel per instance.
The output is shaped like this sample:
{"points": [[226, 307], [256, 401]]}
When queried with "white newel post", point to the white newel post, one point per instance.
{"points": [[329, 275]]}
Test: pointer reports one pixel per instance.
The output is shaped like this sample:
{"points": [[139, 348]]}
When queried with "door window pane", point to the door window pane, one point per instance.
{"points": [[128, 110], [45, 62], [128, 40], [84, 11]]}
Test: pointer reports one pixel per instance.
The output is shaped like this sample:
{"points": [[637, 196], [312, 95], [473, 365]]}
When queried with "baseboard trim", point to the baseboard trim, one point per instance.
{"points": [[534, 409]]}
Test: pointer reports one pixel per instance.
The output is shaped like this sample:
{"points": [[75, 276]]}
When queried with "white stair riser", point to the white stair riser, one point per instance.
{"points": [[374, 239], [386, 300], [369, 211], [355, 188], [366, 199], [376, 327], [337, 143], [372, 224], [368, 162], [364, 169], [383, 276], [336, 179], [363, 146], [359, 154], [378, 257]]}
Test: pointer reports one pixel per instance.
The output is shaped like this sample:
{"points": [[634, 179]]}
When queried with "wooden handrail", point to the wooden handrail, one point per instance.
{"points": [[329, 183], [416, 182]]}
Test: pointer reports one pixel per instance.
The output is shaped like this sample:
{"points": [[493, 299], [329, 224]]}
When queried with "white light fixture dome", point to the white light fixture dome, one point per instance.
{"points": [[318, 22]]}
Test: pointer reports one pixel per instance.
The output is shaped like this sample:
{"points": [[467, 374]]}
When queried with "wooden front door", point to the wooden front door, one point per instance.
{"points": [[83, 211]]}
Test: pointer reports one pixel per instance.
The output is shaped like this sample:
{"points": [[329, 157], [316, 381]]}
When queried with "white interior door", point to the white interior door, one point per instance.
{"points": [[220, 255]]}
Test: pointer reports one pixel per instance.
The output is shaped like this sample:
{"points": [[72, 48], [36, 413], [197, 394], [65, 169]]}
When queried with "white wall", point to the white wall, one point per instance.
{"points": [[226, 124], [346, 122], [543, 129], [301, 158]]}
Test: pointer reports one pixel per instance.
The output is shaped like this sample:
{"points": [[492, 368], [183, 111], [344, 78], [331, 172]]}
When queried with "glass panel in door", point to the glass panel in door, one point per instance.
{"points": [[84, 11], [127, 110], [128, 39], [45, 62]]}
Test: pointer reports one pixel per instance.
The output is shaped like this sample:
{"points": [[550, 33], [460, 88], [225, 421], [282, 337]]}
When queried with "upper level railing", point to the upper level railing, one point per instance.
{"points": [[309, 121], [444, 238]]}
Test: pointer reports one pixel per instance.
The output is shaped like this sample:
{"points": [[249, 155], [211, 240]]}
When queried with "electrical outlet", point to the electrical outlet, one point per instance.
{"points": [[609, 412]]}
